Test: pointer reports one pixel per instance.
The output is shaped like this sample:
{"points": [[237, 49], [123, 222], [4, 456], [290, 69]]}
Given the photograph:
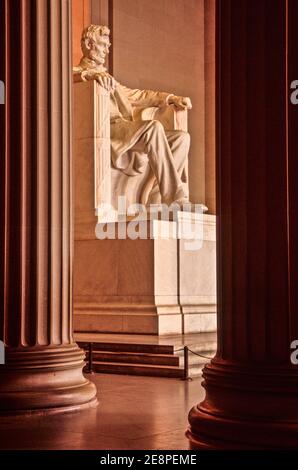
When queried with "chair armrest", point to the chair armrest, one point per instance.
{"points": [[170, 117]]}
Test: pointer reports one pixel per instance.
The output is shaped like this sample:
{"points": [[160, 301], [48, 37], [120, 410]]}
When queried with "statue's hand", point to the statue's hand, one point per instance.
{"points": [[106, 80], [181, 102], [103, 78]]}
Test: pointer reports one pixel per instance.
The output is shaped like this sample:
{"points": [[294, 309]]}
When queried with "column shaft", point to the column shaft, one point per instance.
{"points": [[43, 364], [251, 386]]}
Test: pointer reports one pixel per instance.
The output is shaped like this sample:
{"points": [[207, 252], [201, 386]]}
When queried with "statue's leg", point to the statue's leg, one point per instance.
{"points": [[162, 162], [179, 142]]}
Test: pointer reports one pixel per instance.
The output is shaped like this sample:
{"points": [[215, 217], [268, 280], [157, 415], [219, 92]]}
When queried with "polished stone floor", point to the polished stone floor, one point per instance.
{"points": [[133, 413]]}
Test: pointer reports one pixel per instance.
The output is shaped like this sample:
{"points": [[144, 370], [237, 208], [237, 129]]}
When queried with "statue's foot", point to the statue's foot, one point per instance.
{"points": [[182, 201], [184, 204]]}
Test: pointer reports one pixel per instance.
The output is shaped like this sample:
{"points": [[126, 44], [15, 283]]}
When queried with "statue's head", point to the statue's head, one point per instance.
{"points": [[95, 43]]}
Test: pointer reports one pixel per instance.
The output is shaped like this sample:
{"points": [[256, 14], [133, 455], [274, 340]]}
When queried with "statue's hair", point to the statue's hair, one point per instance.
{"points": [[91, 32]]}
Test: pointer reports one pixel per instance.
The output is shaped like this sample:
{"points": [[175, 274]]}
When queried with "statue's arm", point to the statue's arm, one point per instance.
{"points": [[103, 78], [80, 75], [146, 98]]}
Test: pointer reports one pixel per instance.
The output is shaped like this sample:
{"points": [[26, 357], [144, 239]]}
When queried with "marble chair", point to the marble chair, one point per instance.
{"points": [[142, 188], [111, 182], [93, 153]]}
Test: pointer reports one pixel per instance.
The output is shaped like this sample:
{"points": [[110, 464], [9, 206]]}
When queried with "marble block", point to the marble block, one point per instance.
{"points": [[126, 286], [146, 286], [197, 272]]}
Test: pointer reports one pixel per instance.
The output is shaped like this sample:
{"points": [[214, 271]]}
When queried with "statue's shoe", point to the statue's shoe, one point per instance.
{"points": [[170, 211], [185, 205]]}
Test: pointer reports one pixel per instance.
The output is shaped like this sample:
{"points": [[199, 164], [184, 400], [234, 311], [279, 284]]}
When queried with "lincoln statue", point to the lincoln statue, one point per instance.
{"points": [[166, 151]]}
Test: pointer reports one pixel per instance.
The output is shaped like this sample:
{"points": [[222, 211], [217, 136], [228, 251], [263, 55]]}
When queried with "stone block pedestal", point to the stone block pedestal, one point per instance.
{"points": [[146, 286], [126, 286], [197, 274]]}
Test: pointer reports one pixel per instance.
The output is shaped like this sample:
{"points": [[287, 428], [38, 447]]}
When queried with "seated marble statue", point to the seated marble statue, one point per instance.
{"points": [[167, 151]]}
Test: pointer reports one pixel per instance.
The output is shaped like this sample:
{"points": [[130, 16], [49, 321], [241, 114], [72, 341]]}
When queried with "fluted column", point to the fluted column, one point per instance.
{"points": [[251, 386], [43, 367]]}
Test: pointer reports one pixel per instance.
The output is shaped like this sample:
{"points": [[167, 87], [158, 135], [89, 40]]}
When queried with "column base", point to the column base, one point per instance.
{"points": [[44, 380], [208, 432], [246, 407]]}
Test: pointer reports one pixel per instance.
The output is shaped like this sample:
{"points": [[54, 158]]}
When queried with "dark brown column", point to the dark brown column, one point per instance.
{"points": [[43, 367], [251, 386]]}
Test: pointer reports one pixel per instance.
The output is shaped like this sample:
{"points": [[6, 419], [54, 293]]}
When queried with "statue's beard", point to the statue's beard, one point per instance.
{"points": [[99, 60]]}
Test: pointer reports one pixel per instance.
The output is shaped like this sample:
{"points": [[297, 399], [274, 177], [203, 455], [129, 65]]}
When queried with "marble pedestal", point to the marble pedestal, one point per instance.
{"points": [[126, 286], [145, 286], [197, 273]]}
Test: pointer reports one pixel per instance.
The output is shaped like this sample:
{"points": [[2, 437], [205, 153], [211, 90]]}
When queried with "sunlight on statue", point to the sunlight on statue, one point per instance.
{"points": [[135, 139]]}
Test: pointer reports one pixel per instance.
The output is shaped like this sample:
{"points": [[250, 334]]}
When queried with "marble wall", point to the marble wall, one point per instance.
{"points": [[160, 45], [81, 17]]}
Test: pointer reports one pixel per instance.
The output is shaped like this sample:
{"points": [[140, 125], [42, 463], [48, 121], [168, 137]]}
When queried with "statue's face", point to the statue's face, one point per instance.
{"points": [[99, 49]]}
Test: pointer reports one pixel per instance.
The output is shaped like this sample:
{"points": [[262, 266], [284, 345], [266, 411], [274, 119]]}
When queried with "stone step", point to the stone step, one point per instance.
{"points": [[130, 347], [134, 357], [161, 360], [200, 348], [194, 359], [138, 369], [195, 362]]}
